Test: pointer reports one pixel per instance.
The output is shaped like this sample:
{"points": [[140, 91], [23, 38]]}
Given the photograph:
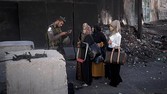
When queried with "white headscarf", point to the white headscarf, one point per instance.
{"points": [[115, 37], [116, 25], [86, 29]]}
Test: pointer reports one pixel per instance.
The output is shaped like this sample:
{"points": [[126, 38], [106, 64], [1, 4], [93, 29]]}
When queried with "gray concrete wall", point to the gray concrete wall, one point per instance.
{"points": [[29, 19]]}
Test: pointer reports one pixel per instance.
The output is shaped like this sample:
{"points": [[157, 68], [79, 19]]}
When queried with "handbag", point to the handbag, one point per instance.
{"points": [[94, 51], [115, 57]]}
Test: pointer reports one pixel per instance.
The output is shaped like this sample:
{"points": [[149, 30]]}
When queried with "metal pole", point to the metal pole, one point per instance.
{"points": [[73, 28], [139, 19]]}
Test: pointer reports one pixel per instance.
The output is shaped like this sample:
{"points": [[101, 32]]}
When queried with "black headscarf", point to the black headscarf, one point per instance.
{"points": [[97, 28]]}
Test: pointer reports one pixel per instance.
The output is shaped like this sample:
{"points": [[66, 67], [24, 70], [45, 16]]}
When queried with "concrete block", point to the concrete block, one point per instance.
{"points": [[40, 76]]}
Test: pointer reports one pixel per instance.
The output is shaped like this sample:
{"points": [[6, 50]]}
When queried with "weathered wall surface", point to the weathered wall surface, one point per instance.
{"points": [[154, 10], [109, 10], [9, 23], [162, 7], [129, 10]]}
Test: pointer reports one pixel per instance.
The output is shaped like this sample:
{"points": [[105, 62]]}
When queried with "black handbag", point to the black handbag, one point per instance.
{"points": [[115, 57], [94, 51]]}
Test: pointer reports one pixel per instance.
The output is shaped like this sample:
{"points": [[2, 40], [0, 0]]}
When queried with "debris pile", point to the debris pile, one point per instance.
{"points": [[149, 48]]}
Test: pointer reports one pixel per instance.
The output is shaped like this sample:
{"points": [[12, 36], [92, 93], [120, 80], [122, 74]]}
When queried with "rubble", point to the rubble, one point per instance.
{"points": [[151, 47]]}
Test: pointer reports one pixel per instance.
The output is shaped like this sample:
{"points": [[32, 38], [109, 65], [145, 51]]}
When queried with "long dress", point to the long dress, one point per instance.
{"points": [[98, 69], [83, 70]]}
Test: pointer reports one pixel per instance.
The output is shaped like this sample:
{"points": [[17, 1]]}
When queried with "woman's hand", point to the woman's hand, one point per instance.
{"points": [[101, 44], [78, 44], [109, 42]]}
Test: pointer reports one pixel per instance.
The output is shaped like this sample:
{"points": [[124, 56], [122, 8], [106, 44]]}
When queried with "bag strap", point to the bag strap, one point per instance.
{"points": [[119, 51], [86, 52], [111, 55]]}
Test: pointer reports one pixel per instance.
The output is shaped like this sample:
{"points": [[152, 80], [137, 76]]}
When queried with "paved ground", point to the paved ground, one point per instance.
{"points": [[138, 78]]}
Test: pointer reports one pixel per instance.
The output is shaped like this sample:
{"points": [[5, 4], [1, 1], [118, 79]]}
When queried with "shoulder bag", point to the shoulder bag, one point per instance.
{"points": [[115, 57]]}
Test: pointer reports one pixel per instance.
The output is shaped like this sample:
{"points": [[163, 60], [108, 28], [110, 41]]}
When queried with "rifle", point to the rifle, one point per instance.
{"points": [[26, 56]]}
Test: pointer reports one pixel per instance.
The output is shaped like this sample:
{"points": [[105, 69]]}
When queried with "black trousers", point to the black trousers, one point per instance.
{"points": [[112, 72], [60, 49]]}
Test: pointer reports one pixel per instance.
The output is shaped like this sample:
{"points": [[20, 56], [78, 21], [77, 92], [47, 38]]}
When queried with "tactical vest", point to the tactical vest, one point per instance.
{"points": [[58, 42]]}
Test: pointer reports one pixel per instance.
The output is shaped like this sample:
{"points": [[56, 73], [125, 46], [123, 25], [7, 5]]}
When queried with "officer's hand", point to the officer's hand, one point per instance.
{"points": [[63, 33], [69, 31]]}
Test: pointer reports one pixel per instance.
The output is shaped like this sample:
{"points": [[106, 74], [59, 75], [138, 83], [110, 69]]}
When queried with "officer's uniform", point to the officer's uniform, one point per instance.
{"points": [[56, 44]]}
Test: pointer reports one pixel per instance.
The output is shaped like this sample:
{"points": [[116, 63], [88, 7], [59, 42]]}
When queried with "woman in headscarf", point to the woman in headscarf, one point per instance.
{"points": [[84, 69], [97, 64], [113, 70]]}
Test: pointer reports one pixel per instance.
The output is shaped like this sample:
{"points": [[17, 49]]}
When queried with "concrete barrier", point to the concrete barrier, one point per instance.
{"points": [[40, 76]]}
